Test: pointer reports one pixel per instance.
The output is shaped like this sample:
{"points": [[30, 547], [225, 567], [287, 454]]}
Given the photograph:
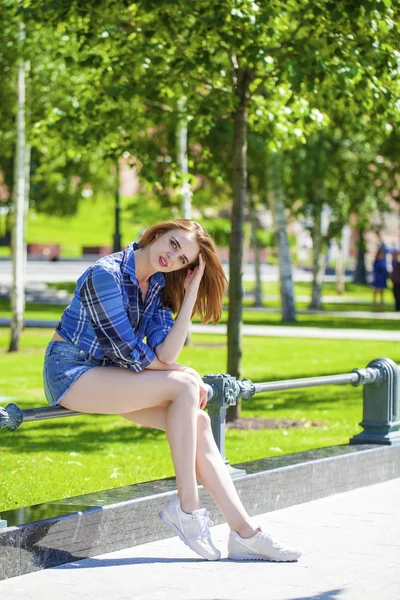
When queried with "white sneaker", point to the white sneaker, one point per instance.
{"points": [[192, 528], [259, 547]]}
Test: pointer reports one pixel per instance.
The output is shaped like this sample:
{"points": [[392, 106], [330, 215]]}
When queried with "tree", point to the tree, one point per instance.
{"points": [[20, 194], [233, 60]]}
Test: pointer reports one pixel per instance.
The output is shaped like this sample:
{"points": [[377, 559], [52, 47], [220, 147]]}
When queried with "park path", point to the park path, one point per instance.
{"points": [[351, 551]]}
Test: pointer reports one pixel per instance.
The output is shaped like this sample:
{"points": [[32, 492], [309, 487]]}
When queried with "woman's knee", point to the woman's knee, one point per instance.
{"points": [[187, 384]]}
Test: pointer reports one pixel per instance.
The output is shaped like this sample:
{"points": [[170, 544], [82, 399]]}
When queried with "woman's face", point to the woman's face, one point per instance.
{"points": [[174, 250]]}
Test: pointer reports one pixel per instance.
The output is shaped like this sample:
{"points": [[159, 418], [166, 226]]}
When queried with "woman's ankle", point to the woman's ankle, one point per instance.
{"points": [[247, 530], [189, 507]]}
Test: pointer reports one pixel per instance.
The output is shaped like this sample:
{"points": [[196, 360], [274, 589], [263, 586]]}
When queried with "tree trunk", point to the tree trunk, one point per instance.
{"points": [[256, 251], [360, 273], [117, 211], [236, 237], [20, 186], [26, 204], [277, 206], [183, 168], [318, 260], [340, 267], [182, 159]]}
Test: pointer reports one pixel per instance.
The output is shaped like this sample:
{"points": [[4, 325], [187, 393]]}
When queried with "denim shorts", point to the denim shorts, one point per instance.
{"points": [[64, 363]]}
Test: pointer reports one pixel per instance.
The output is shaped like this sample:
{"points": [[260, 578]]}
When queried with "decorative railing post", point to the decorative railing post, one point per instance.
{"points": [[226, 391], [381, 404]]}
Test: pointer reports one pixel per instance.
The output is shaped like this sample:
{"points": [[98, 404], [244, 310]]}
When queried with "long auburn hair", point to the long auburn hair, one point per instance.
{"points": [[213, 284]]}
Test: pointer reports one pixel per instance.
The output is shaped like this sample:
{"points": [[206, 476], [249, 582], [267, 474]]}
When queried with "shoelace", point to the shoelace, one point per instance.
{"points": [[274, 542], [204, 522]]}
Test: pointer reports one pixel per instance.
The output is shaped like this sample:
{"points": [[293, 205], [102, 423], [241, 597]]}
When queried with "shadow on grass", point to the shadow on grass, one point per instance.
{"points": [[84, 437], [301, 402], [86, 434]]}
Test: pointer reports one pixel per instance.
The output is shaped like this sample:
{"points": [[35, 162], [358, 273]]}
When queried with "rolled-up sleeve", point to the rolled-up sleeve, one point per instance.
{"points": [[159, 326], [101, 295]]}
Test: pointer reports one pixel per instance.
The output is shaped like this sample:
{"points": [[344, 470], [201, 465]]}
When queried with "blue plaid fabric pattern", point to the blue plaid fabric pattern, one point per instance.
{"points": [[108, 318]]}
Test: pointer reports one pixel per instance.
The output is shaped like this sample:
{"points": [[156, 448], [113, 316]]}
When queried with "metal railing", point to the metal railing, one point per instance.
{"points": [[380, 381]]}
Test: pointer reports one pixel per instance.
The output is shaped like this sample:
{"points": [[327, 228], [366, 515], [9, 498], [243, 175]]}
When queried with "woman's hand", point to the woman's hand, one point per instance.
{"points": [[203, 397], [193, 278]]}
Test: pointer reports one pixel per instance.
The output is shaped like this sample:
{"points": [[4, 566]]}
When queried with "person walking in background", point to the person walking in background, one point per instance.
{"points": [[395, 277], [380, 276], [97, 362]]}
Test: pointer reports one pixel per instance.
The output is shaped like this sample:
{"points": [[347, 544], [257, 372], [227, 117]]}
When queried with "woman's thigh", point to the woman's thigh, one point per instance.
{"points": [[155, 417], [110, 390]]}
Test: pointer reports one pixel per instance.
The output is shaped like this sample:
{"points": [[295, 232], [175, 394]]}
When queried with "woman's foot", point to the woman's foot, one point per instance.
{"points": [[192, 528], [259, 547]]}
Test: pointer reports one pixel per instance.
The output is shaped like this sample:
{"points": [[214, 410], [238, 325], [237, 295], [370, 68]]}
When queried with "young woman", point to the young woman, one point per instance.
{"points": [[380, 276], [97, 362]]}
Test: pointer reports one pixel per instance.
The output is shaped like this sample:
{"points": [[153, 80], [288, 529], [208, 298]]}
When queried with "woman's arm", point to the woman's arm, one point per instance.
{"points": [[101, 296], [171, 347]]}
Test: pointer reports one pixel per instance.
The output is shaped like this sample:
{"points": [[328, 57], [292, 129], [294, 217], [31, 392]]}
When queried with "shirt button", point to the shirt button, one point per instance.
{"points": [[81, 352]]}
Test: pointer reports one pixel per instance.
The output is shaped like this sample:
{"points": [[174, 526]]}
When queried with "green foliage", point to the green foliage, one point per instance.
{"points": [[265, 239], [105, 79], [219, 229]]}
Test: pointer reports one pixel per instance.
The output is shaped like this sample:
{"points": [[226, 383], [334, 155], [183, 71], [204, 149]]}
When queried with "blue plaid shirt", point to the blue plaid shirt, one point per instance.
{"points": [[107, 317]]}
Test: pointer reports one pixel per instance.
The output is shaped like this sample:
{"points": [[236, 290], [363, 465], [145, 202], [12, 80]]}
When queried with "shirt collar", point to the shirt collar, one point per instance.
{"points": [[128, 266]]}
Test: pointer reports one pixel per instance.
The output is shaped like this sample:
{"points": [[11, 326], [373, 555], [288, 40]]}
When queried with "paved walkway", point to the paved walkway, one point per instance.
{"points": [[351, 551]]}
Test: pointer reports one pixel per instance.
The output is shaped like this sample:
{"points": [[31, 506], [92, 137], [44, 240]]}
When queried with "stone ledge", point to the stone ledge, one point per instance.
{"points": [[55, 533]]}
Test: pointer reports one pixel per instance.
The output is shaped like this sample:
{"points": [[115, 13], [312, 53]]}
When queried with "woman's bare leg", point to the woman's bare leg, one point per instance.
{"points": [[114, 391], [210, 467]]}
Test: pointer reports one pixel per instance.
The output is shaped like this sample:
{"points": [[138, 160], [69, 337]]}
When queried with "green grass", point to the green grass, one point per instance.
{"points": [[352, 291], [356, 297], [67, 457], [308, 320]]}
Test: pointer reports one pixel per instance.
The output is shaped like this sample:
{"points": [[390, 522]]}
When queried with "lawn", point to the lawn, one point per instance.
{"points": [[56, 459], [353, 292]]}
